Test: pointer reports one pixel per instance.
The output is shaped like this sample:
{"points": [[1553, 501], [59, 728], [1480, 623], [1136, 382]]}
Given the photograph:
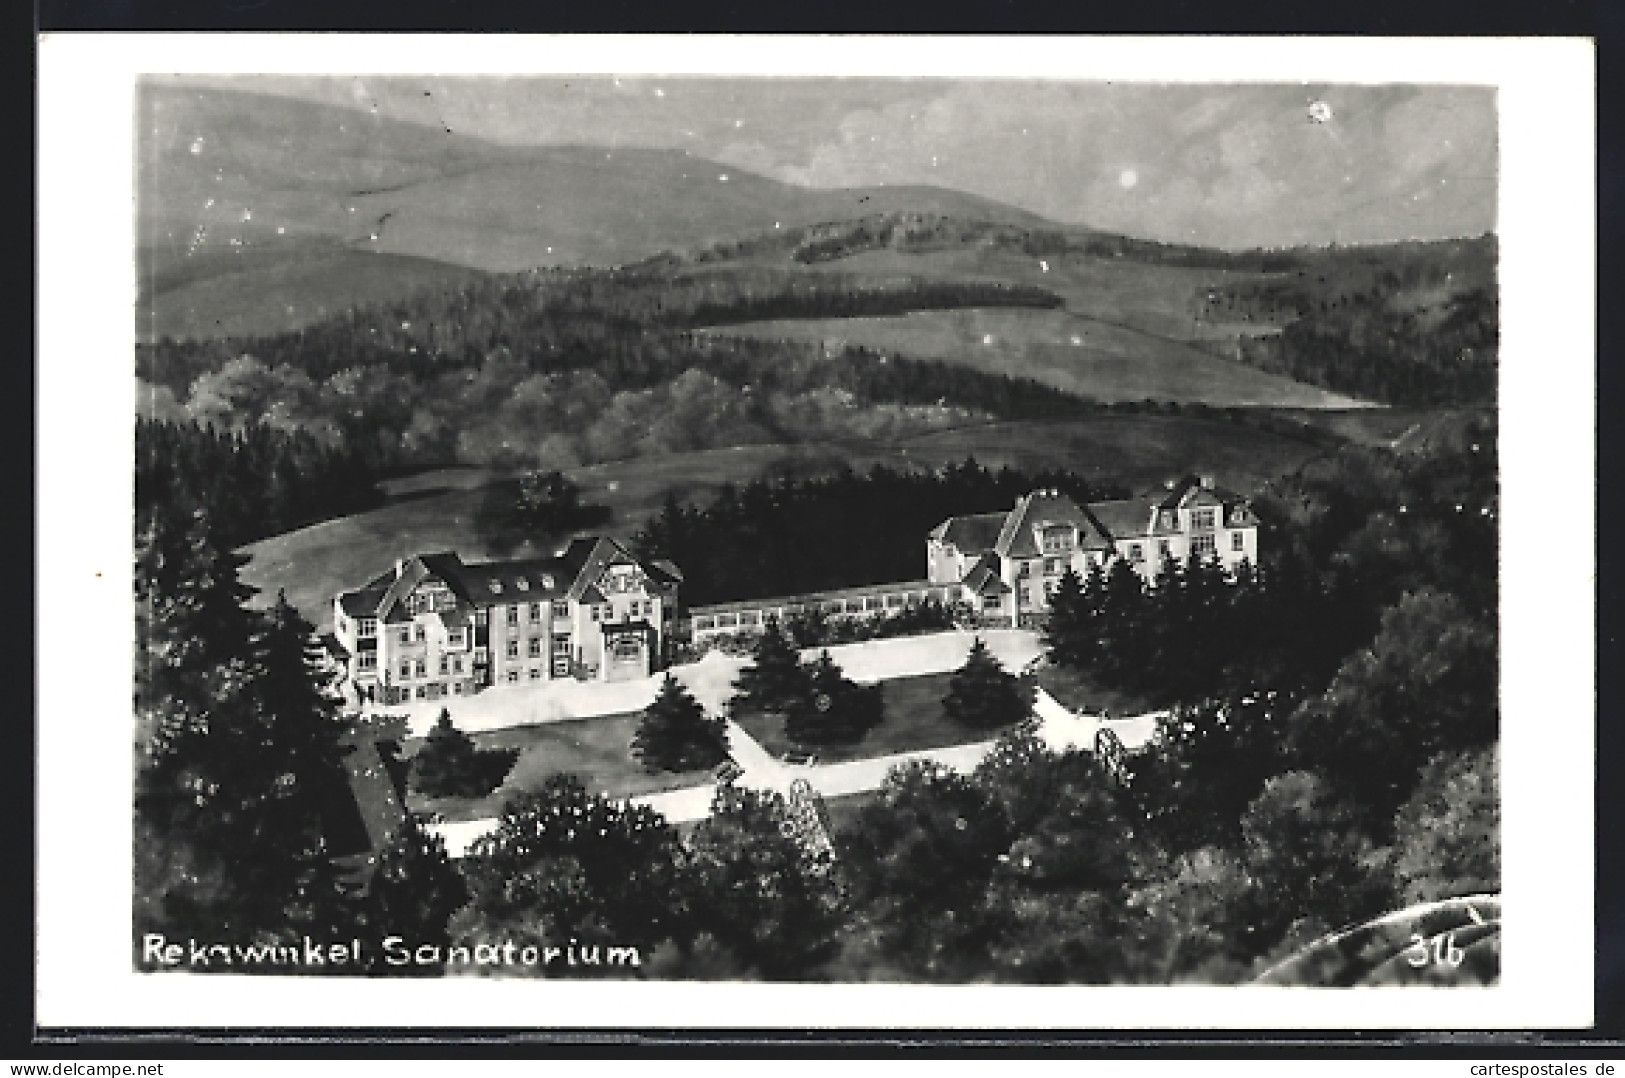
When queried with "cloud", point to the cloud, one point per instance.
{"points": [[1234, 165]]}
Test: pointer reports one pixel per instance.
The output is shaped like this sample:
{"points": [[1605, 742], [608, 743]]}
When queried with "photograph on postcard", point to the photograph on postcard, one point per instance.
{"points": [[842, 529]]}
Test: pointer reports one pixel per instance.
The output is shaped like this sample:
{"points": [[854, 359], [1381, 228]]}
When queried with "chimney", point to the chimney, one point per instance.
{"points": [[400, 567], [1207, 482]]}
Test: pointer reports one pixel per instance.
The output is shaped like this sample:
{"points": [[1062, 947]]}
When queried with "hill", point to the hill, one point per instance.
{"points": [[267, 290], [222, 175], [1093, 359]]}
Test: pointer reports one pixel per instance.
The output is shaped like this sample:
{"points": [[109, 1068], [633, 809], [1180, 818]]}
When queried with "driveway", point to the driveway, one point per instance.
{"points": [[1059, 728]]}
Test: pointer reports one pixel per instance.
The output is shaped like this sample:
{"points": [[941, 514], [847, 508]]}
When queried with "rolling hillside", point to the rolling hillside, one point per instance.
{"points": [[1094, 359], [224, 175]]}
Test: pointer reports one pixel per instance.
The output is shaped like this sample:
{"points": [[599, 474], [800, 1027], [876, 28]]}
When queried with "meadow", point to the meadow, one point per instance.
{"points": [[1095, 359]]}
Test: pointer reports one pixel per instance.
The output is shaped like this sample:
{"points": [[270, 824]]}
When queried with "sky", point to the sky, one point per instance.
{"points": [[1232, 165]]}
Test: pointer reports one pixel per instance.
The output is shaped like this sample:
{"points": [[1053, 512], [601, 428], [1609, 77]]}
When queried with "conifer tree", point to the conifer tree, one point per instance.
{"points": [[837, 710], [774, 682], [1067, 630], [675, 734], [983, 695], [414, 891], [450, 765], [242, 756]]}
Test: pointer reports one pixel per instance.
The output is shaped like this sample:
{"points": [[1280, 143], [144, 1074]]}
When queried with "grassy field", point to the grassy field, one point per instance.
{"points": [[1103, 360], [596, 750], [436, 512], [914, 720]]}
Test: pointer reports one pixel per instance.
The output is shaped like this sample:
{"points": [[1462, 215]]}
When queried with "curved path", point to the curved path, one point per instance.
{"points": [[1059, 728]]}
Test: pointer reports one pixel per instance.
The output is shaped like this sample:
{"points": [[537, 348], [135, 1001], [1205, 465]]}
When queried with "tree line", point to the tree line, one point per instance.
{"points": [[787, 536]]}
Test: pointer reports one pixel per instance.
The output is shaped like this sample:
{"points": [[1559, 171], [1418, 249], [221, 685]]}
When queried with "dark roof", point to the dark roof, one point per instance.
{"points": [[984, 576], [972, 534], [363, 602], [1126, 519], [1039, 508], [569, 573], [491, 582]]}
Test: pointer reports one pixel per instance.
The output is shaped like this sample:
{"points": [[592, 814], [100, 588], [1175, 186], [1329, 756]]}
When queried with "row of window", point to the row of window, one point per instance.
{"points": [[561, 668], [561, 646], [409, 668], [561, 610], [858, 605], [419, 633]]}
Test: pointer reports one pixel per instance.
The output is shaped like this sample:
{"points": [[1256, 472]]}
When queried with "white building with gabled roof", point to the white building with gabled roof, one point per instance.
{"points": [[1007, 564], [435, 627]]}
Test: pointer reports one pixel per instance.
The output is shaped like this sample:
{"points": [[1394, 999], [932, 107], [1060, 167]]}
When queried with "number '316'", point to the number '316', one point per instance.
{"points": [[1439, 951]]}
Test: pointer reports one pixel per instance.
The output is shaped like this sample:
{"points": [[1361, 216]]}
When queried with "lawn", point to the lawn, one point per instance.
{"points": [[597, 750], [914, 720]]}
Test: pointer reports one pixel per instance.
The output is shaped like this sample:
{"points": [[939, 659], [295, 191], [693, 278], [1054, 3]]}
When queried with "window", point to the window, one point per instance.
{"points": [[457, 688], [1024, 568], [367, 627], [456, 638], [561, 609], [627, 648], [513, 649], [1202, 520], [561, 645], [406, 635], [457, 664], [513, 615], [367, 660], [513, 677], [522, 584], [495, 586], [535, 647], [423, 669], [1203, 546], [406, 670], [1136, 552], [479, 619], [418, 633], [423, 692], [1052, 566], [893, 601], [1057, 540], [535, 611], [1238, 542], [561, 666], [1162, 548], [535, 673], [1170, 519], [445, 666], [990, 602], [701, 624]]}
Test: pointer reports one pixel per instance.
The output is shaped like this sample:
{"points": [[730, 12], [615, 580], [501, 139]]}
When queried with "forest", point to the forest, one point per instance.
{"points": [[1421, 336]]}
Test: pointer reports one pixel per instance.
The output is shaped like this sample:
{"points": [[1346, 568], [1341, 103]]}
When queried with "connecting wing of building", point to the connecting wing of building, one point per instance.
{"points": [[1007, 564], [434, 627]]}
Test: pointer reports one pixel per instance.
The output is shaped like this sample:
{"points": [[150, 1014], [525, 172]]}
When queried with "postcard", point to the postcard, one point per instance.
{"points": [[1020, 533]]}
